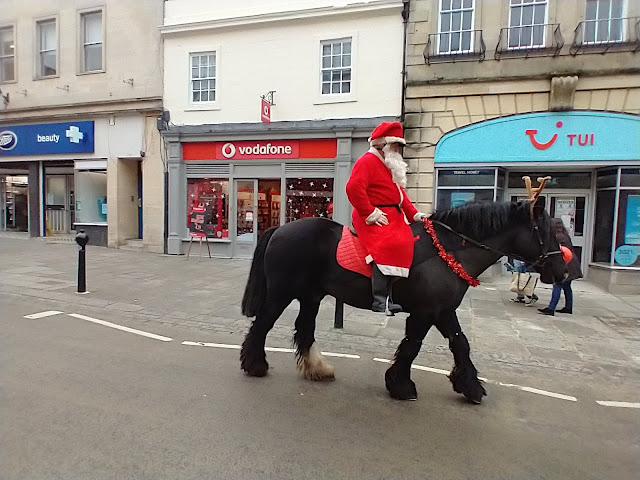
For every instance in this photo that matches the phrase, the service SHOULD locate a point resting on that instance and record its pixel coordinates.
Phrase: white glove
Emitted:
(419, 216)
(377, 217)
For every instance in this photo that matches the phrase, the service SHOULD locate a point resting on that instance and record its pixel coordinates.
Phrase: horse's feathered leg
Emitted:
(398, 376)
(464, 375)
(311, 363)
(253, 358)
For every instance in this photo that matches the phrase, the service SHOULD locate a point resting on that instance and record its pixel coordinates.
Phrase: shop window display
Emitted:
(212, 195)
(91, 196)
(268, 204)
(309, 197)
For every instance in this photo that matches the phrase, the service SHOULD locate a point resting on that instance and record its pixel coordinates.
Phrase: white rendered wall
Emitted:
(281, 52)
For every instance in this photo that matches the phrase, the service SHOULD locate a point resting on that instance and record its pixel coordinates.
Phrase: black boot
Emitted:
(381, 289)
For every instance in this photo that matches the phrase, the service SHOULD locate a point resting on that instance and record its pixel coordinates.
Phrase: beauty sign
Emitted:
(548, 136)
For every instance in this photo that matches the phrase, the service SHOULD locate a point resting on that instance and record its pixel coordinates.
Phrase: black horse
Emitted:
(298, 261)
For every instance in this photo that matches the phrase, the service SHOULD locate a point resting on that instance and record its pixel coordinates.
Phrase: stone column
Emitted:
(177, 198)
(341, 208)
(34, 199)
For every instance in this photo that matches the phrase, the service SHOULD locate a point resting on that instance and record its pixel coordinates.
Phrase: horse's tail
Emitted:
(256, 290)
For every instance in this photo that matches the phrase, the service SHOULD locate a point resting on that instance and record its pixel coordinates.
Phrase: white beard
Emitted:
(396, 164)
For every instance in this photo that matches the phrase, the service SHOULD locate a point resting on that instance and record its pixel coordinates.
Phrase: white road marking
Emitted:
(426, 369)
(268, 349)
(540, 392)
(120, 327)
(48, 313)
(490, 288)
(216, 345)
(607, 403)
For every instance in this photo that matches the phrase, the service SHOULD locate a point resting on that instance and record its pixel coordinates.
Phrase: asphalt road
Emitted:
(82, 400)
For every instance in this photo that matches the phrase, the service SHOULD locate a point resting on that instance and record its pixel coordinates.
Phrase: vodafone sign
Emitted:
(260, 149)
(249, 150)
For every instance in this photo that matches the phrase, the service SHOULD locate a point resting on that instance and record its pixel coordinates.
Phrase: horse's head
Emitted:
(535, 242)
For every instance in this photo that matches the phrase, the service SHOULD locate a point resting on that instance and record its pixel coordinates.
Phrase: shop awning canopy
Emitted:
(576, 136)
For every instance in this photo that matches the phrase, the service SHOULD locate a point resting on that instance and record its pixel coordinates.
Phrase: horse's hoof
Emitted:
(252, 366)
(466, 382)
(403, 389)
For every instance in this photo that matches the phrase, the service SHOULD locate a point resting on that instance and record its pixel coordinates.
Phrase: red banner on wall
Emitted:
(265, 114)
(260, 149)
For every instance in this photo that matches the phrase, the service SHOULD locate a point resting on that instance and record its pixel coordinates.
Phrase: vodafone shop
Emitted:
(243, 187)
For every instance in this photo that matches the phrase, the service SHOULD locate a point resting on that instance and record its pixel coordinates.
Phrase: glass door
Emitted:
(572, 209)
(246, 228)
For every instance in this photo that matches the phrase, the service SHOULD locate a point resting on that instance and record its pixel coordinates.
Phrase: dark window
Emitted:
(630, 177)
(603, 227)
(449, 198)
(607, 178)
(558, 179)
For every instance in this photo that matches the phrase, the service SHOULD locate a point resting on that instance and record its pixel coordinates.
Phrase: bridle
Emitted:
(542, 258)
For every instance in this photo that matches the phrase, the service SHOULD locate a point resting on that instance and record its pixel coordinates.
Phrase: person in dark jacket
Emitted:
(574, 273)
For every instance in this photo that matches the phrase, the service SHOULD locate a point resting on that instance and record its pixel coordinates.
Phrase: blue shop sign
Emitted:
(544, 137)
(47, 138)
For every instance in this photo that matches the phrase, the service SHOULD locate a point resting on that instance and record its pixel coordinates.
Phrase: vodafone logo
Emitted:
(228, 150)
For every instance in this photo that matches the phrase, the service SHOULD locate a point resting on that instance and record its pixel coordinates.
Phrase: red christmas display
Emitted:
(454, 265)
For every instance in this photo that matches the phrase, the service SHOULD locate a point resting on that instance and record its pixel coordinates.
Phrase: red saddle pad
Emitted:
(351, 254)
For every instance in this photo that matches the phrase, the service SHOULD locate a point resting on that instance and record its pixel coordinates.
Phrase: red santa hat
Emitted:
(389, 132)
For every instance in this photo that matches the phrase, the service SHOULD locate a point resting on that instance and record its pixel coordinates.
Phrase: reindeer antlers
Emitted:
(532, 192)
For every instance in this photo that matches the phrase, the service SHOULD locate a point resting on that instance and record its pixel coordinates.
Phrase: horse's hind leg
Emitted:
(464, 375)
(253, 358)
(311, 363)
(398, 376)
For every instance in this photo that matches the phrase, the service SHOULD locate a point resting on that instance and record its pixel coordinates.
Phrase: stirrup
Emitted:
(392, 308)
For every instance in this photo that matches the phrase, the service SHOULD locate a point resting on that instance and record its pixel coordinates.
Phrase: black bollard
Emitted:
(82, 239)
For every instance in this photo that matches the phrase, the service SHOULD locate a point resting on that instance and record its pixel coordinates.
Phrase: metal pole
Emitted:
(339, 315)
(82, 239)
(82, 270)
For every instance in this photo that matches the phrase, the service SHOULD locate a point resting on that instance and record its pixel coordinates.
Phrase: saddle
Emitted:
(351, 254)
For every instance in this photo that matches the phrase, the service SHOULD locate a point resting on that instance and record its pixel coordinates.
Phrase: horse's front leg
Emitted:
(398, 376)
(464, 375)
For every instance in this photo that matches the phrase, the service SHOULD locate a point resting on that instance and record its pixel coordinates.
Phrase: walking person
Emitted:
(573, 266)
(519, 266)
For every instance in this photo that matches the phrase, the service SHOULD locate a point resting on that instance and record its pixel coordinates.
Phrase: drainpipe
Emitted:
(405, 23)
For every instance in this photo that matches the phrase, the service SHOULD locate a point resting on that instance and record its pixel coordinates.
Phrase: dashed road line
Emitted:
(607, 403)
(561, 396)
(425, 369)
(48, 313)
(120, 327)
(267, 349)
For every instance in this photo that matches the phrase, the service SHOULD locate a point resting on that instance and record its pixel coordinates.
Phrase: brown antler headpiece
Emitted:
(534, 192)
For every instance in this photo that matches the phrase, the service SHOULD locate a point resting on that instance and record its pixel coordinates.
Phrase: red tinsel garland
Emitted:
(454, 265)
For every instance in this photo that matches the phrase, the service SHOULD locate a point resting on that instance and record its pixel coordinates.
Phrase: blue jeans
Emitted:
(555, 296)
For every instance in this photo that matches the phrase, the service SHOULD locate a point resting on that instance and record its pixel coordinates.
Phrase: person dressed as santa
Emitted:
(381, 209)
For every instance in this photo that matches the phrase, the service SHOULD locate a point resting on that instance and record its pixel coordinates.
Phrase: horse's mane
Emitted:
(484, 219)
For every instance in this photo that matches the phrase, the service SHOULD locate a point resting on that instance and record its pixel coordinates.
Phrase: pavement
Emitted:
(598, 344)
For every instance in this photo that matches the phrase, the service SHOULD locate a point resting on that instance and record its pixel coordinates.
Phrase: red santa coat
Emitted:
(371, 185)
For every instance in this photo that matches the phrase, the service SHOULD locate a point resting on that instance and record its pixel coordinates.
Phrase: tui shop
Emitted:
(594, 160)
(246, 182)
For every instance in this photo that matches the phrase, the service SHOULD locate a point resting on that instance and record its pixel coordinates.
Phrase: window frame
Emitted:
(544, 25)
(341, 94)
(11, 26)
(37, 44)
(451, 10)
(216, 90)
(81, 44)
(609, 19)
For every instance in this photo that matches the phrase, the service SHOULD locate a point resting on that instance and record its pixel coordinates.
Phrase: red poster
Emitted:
(265, 114)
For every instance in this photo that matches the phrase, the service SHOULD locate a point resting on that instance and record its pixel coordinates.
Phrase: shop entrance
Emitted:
(257, 208)
(14, 190)
(573, 210)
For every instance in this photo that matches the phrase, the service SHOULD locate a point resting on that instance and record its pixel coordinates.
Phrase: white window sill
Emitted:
(8, 81)
(200, 108)
(338, 98)
(92, 72)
